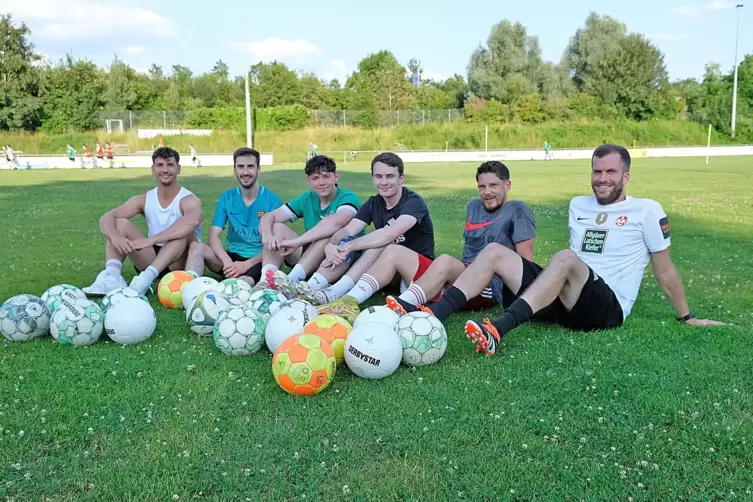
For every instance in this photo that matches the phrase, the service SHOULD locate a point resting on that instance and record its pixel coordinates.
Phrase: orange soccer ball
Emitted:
(170, 288)
(333, 330)
(304, 365)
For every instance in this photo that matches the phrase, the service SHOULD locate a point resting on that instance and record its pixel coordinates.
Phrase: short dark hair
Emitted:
(240, 152)
(391, 159)
(493, 166)
(165, 153)
(610, 148)
(320, 164)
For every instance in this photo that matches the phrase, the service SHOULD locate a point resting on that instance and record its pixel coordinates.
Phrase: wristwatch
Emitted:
(687, 317)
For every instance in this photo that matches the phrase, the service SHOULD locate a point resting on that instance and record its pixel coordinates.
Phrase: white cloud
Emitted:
(698, 9)
(336, 69)
(86, 19)
(278, 49)
(135, 49)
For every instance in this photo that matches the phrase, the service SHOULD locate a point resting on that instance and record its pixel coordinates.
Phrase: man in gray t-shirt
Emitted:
(490, 219)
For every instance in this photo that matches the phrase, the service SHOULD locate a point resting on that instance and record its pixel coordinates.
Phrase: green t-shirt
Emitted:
(308, 206)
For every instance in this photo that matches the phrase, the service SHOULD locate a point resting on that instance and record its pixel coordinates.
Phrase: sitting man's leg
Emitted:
(152, 262)
(440, 275)
(309, 258)
(272, 259)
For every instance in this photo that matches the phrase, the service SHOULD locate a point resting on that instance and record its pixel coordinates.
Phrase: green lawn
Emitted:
(654, 411)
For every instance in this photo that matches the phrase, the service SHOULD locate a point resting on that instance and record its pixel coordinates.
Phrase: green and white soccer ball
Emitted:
(53, 296)
(302, 305)
(239, 331)
(205, 310)
(130, 321)
(267, 302)
(23, 318)
(194, 288)
(114, 297)
(237, 291)
(423, 337)
(77, 323)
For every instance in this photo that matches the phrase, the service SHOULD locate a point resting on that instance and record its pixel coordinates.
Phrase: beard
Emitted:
(247, 183)
(617, 190)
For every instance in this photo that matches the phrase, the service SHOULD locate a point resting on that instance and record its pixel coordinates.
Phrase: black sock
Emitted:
(409, 307)
(515, 315)
(452, 300)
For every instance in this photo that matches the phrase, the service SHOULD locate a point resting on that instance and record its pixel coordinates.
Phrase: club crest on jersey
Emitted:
(260, 214)
(621, 220)
(594, 240)
(601, 218)
(664, 224)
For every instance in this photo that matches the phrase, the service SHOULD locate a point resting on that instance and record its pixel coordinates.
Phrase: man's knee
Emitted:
(444, 261)
(197, 248)
(122, 225)
(564, 260)
(495, 251)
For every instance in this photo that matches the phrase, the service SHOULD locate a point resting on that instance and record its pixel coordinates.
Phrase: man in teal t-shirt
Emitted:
(325, 209)
(242, 208)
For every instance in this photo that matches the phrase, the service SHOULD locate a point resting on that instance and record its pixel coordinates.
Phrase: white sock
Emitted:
(364, 288)
(268, 266)
(114, 268)
(414, 295)
(297, 274)
(318, 281)
(151, 273)
(340, 288)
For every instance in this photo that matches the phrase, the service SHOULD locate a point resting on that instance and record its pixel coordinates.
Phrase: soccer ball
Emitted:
(237, 291)
(380, 314)
(23, 318)
(114, 297)
(55, 294)
(130, 321)
(284, 324)
(239, 331)
(193, 289)
(423, 337)
(205, 311)
(347, 311)
(333, 330)
(267, 302)
(170, 288)
(304, 365)
(77, 323)
(373, 351)
(302, 305)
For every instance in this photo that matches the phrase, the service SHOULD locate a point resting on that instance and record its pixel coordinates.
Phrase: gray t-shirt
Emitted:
(513, 222)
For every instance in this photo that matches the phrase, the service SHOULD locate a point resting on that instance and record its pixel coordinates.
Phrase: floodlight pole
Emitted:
(249, 132)
(734, 88)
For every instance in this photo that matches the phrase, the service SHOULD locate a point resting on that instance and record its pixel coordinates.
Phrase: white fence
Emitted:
(143, 161)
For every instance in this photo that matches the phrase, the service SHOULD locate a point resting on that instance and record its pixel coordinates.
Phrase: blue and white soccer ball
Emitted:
(194, 288)
(130, 321)
(23, 318)
(423, 338)
(205, 310)
(53, 296)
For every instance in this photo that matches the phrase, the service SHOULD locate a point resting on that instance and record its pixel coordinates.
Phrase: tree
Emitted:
(380, 83)
(314, 93)
(123, 91)
(72, 94)
(20, 107)
(274, 84)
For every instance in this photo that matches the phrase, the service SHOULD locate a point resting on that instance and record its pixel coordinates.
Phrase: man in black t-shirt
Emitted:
(402, 225)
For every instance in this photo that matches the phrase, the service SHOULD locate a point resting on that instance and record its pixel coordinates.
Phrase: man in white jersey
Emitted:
(173, 219)
(592, 285)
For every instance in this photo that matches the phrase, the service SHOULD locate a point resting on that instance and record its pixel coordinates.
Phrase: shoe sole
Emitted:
(395, 306)
(476, 335)
(269, 277)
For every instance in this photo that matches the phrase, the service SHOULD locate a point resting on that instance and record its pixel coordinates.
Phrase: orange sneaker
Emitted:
(485, 336)
(394, 305)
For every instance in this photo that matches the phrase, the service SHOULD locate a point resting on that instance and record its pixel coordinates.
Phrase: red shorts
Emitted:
(423, 265)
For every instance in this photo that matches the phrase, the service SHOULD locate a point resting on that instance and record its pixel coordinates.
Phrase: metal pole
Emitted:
(708, 146)
(734, 89)
(164, 119)
(130, 120)
(344, 124)
(486, 140)
(249, 132)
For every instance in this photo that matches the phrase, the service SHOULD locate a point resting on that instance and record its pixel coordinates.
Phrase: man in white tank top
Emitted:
(173, 218)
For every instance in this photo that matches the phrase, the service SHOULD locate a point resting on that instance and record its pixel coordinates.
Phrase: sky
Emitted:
(330, 37)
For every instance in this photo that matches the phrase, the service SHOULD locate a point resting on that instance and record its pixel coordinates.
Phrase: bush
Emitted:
(283, 118)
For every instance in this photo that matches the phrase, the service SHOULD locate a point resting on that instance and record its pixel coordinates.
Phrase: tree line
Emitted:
(605, 73)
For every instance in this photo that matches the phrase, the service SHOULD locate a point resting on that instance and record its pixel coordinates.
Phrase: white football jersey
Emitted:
(159, 219)
(616, 240)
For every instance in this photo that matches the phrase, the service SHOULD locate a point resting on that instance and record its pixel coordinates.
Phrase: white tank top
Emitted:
(158, 218)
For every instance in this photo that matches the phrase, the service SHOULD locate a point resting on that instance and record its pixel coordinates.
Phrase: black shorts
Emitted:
(254, 272)
(596, 308)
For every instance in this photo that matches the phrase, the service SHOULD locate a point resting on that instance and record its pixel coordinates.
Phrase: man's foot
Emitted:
(346, 307)
(104, 283)
(485, 336)
(401, 307)
(141, 283)
(279, 281)
(304, 291)
(262, 284)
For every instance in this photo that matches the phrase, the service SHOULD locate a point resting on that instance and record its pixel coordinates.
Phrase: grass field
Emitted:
(653, 411)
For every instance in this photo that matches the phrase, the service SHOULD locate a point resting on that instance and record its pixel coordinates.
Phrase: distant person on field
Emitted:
(10, 156)
(87, 156)
(353, 154)
(241, 208)
(71, 152)
(161, 142)
(194, 158)
(547, 153)
(312, 149)
(108, 152)
(173, 219)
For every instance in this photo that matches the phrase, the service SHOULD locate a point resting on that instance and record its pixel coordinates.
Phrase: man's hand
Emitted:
(140, 244)
(236, 269)
(272, 243)
(123, 245)
(703, 322)
(288, 247)
(335, 255)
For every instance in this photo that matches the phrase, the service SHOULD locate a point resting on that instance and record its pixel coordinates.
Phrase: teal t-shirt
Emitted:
(243, 236)
(308, 206)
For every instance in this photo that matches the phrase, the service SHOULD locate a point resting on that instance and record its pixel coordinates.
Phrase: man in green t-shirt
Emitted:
(325, 209)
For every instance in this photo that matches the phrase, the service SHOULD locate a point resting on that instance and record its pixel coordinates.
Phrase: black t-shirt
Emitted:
(420, 237)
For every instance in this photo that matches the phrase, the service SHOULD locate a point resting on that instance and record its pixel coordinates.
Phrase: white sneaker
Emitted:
(104, 283)
(141, 283)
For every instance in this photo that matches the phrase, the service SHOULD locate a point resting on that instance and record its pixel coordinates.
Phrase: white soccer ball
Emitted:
(267, 302)
(204, 312)
(194, 288)
(23, 318)
(302, 305)
(53, 296)
(373, 350)
(114, 297)
(77, 323)
(130, 321)
(239, 331)
(378, 313)
(284, 324)
(237, 291)
(423, 338)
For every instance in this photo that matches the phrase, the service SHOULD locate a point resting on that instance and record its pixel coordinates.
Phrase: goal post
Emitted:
(111, 123)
